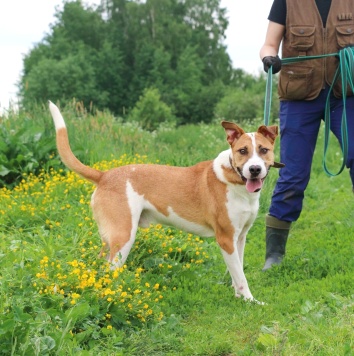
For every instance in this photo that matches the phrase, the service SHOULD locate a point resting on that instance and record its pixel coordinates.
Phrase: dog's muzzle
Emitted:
(253, 184)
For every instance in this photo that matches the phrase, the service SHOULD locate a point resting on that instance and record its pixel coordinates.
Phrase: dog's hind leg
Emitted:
(118, 238)
(119, 252)
(117, 225)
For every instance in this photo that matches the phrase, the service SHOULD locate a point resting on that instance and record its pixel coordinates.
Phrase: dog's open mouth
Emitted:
(254, 185)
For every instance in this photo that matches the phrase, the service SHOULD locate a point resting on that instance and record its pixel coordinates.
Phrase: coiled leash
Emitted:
(344, 72)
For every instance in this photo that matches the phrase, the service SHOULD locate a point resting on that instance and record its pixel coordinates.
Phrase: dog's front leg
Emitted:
(230, 252)
(238, 277)
(240, 246)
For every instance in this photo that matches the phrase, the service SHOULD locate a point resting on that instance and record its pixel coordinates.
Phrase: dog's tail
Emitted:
(65, 151)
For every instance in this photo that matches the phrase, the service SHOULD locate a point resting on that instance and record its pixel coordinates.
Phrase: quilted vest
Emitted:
(305, 36)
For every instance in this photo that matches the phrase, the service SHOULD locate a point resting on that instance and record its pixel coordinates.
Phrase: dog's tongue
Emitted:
(254, 185)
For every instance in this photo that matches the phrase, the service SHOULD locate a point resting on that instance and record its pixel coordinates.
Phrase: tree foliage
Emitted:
(244, 98)
(108, 56)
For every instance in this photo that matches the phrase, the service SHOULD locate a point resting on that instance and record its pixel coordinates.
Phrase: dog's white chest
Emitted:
(242, 207)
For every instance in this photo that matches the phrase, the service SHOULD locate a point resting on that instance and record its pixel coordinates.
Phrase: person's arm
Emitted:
(273, 39)
(270, 48)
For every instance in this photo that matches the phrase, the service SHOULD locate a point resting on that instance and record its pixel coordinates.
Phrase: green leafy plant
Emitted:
(25, 150)
(150, 111)
(239, 106)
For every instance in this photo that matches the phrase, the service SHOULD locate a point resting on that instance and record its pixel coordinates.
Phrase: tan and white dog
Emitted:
(213, 198)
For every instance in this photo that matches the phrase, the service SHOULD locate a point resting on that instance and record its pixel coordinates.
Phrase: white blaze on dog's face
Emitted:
(252, 153)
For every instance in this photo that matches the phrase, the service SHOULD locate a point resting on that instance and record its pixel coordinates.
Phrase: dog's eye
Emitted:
(264, 150)
(243, 151)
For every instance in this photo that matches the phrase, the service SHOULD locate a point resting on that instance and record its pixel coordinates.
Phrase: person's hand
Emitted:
(270, 61)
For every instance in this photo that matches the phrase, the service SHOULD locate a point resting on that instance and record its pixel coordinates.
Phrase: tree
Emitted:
(64, 65)
(71, 77)
(110, 54)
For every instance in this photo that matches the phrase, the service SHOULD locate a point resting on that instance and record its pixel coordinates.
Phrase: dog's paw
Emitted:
(253, 300)
(248, 298)
(258, 302)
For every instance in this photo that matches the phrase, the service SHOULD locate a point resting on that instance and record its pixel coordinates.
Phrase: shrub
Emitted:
(239, 105)
(150, 111)
(24, 150)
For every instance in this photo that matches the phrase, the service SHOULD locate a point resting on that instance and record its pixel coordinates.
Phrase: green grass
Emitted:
(174, 296)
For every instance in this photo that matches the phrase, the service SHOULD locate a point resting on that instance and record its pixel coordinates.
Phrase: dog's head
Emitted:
(252, 153)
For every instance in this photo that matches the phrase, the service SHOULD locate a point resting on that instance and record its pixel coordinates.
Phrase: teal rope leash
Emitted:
(268, 97)
(345, 72)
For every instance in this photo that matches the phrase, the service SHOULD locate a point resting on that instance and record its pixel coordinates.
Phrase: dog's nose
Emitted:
(255, 170)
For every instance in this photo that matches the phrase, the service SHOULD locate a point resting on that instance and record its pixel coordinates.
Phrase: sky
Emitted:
(24, 23)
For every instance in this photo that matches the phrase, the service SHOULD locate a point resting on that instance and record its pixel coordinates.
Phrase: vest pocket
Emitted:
(345, 35)
(295, 83)
(302, 37)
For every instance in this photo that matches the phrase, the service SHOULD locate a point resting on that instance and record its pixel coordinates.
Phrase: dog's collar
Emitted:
(232, 166)
(237, 170)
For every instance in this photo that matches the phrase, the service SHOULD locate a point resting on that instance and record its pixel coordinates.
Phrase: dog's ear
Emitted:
(269, 132)
(233, 132)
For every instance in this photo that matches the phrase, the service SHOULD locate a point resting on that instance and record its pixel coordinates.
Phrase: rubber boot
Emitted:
(277, 232)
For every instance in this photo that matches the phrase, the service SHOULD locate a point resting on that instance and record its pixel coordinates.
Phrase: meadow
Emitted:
(174, 295)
